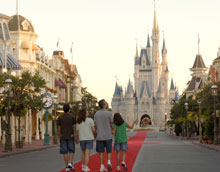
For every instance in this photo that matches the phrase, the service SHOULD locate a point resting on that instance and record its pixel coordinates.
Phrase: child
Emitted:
(119, 129)
(85, 132)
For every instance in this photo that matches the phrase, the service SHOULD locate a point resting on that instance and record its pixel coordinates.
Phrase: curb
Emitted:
(26, 151)
(207, 147)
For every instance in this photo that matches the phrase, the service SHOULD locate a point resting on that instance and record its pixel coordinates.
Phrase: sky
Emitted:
(104, 34)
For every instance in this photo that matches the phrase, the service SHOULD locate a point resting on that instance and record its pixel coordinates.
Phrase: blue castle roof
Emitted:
(172, 85)
(145, 84)
(144, 55)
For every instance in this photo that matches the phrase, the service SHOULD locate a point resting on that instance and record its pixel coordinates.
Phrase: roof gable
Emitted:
(145, 87)
(199, 63)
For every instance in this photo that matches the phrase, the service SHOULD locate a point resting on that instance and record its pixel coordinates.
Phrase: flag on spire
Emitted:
(198, 43)
(71, 49)
(58, 44)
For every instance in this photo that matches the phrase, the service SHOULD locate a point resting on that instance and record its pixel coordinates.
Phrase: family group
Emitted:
(85, 130)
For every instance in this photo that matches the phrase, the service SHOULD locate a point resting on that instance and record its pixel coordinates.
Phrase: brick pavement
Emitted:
(36, 145)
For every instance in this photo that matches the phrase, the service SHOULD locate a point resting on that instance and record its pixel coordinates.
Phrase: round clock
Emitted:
(47, 100)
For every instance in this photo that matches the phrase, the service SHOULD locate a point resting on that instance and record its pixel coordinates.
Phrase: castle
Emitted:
(150, 96)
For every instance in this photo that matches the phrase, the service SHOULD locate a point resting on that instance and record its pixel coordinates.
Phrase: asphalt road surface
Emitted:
(174, 155)
(163, 153)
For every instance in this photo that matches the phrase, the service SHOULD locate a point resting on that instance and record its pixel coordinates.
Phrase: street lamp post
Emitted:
(214, 89)
(92, 112)
(84, 99)
(8, 143)
(187, 123)
(55, 97)
(200, 121)
(165, 121)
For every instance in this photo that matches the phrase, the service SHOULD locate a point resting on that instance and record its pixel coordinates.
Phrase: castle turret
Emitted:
(172, 90)
(164, 57)
(130, 90)
(149, 49)
(136, 69)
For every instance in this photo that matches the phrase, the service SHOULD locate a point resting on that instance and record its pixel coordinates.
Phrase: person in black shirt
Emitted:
(66, 128)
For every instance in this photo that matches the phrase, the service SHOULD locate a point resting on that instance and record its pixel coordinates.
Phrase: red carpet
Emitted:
(134, 145)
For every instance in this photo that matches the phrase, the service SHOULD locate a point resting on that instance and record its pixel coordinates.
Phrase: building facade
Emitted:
(19, 52)
(214, 69)
(150, 96)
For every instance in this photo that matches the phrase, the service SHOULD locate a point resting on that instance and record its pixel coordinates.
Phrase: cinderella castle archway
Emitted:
(145, 120)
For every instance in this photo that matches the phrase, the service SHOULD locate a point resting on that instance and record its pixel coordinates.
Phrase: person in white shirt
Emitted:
(85, 131)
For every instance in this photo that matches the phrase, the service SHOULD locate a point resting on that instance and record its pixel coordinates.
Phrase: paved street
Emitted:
(171, 155)
(174, 155)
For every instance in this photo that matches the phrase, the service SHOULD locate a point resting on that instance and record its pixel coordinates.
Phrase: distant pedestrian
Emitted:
(66, 129)
(103, 123)
(85, 131)
(121, 141)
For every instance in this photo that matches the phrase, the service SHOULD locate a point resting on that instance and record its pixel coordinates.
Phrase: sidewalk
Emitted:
(195, 140)
(36, 145)
(208, 146)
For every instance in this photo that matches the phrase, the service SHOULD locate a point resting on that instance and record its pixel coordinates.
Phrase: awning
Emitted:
(60, 83)
(12, 63)
(64, 85)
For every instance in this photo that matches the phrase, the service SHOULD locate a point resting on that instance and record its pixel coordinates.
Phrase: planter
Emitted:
(210, 141)
(204, 141)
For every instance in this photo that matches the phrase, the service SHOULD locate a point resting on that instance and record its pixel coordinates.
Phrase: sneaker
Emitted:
(109, 167)
(118, 168)
(124, 166)
(103, 169)
(86, 169)
(67, 169)
(70, 166)
(83, 167)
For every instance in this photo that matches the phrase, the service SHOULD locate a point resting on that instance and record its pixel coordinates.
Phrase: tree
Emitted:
(26, 93)
(184, 120)
(207, 112)
(88, 102)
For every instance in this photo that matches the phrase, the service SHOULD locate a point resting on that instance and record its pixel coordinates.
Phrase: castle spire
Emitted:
(136, 49)
(155, 17)
(172, 85)
(148, 41)
(16, 7)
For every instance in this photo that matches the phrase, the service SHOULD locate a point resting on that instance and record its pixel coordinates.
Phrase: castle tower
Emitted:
(155, 54)
(164, 70)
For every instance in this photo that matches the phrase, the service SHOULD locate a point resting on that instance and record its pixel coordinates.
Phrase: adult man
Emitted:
(103, 123)
(66, 129)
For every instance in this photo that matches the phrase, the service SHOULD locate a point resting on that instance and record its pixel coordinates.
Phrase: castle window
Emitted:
(148, 105)
(25, 25)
